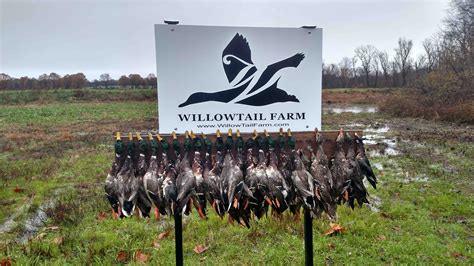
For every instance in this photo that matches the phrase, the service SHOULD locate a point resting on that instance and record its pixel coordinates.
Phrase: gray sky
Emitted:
(117, 37)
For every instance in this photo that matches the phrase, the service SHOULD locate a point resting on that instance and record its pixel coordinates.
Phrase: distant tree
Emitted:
(403, 59)
(345, 71)
(366, 54)
(420, 65)
(151, 80)
(75, 81)
(54, 80)
(430, 53)
(375, 66)
(4, 81)
(95, 83)
(124, 81)
(136, 80)
(105, 79)
(384, 65)
(43, 80)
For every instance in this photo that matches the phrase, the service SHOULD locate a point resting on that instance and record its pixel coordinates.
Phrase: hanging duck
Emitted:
(303, 182)
(127, 182)
(186, 181)
(287, 166)
(170, 192)
(235, 192)
(154, 177)
(340, 171)
(143, 203)
(214, 184)
(356, 190)
(278, 187)
(200, 186)
(364, 163)
(111, 183)
(320, 171)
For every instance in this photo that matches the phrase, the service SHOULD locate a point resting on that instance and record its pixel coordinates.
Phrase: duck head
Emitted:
(128, 207)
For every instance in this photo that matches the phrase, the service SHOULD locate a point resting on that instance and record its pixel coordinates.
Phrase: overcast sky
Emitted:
(117, 37)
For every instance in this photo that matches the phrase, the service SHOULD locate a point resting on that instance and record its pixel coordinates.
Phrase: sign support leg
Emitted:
(308, 238)
(178, 231)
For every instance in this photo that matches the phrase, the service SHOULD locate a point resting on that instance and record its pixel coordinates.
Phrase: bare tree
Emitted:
(402, 58)
(420, 64)
(365, 54)
(375, 66)
(384, 65)
(345, 71)
(105, 79)
(431, 53)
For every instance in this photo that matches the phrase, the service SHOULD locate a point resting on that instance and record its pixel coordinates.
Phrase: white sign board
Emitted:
(213, 77)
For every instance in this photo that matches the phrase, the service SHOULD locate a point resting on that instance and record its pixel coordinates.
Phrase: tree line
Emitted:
(447, 53)
(370, 67)
(75, 81)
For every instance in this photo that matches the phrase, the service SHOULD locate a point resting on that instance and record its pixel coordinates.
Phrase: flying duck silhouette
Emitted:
(248, 85)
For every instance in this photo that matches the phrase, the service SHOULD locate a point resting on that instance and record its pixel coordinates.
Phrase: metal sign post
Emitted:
(178, 231)
(308, 238)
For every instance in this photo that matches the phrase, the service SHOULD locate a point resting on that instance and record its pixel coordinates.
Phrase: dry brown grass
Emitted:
(355, 96)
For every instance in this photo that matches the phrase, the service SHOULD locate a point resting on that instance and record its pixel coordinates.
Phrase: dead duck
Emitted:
(143, 203)
(170, 192)
(154, 177)
(234, 191)
(364, 163)
(340, 171)
(127, 182)
(257, 182)
(356, 189)
(278, 187)
(214, 183)
(320, 171)
(200, 187)
(111, 184)
(303, 182)
(185, 183)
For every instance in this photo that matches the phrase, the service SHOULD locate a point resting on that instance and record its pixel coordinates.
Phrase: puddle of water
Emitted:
(36, 222)
(10, 223)
(419, 178)
(337, 109)
(374, 203)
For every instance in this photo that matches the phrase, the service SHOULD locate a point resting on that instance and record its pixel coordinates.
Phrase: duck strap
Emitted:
(154, 147)
(208, 144)
(118, 147)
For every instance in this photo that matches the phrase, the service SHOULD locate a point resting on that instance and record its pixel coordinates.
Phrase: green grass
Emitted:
(420, 222)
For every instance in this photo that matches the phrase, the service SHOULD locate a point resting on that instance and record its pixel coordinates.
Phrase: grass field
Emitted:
(55, 154)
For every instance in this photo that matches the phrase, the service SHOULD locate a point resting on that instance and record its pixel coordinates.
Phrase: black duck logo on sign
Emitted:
(248, 85)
